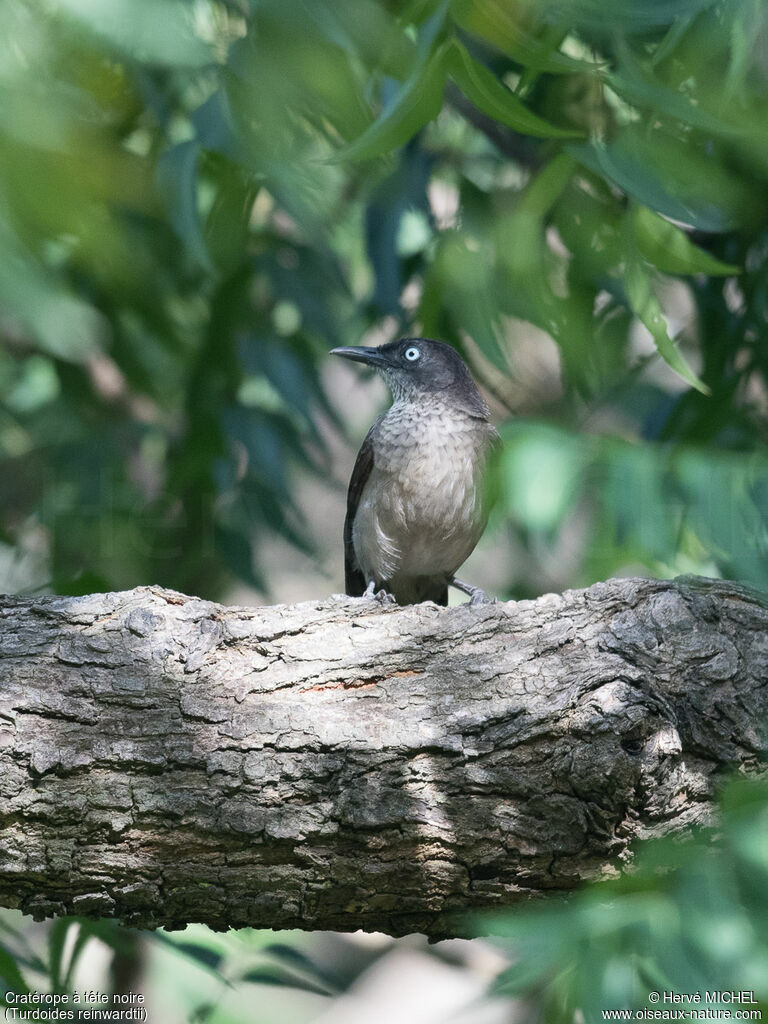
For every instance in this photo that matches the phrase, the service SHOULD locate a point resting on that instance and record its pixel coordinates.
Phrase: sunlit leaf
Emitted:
(542, 472)
(591, 227)
(669, 249)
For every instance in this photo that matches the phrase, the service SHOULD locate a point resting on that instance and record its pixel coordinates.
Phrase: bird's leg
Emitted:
(382, 596)
(476, 595)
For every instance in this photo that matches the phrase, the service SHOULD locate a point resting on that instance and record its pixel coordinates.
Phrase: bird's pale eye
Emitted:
(412, 354)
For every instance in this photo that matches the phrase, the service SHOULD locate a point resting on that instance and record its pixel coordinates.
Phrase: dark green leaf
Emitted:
(673, 178)
(57, 936)
(205, 956)
(635, 15)
(177, 180)
(10, 975)
(285, 979)
(494, 21)
(215, 125)
(417, 101)
(487, 93)
(295, 958)
(236, 551)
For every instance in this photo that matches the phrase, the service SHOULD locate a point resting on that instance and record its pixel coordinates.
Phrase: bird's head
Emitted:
(419, 368)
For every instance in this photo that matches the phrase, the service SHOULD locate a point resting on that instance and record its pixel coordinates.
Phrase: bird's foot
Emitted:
(477, 596)
(383, 597)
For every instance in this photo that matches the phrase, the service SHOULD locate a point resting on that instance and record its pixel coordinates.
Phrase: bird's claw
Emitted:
(476, 596)
(382, 597)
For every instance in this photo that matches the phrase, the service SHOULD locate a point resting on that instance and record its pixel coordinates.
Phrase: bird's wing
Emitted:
(355, 582)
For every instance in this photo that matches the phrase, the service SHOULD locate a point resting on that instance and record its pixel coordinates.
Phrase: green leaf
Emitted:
(494, 22)
(155, 31)
(298, 960)
(279, 976)
(671, 40)
(418, 101)
(638, 15)
(63, 324)
(364, 30)
(543, 191)
(10, 975)
(57, 936)
(461, 281)
(526, 258)
(482, 88)
(645, 305)
(669, 249)
(590, 226)
(177, 180)
(204, 956)
(672, 177)
(236, 551)
(542, 475)
(636, 83)
(746, 28)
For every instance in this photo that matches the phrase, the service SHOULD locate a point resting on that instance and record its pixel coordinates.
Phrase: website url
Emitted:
(705, 1013)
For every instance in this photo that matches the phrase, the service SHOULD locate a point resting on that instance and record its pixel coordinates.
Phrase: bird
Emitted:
(415, 502)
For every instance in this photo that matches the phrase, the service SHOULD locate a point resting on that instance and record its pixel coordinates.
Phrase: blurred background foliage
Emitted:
(199, 198)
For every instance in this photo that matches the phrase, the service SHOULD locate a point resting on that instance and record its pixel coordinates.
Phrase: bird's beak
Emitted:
(361, 354)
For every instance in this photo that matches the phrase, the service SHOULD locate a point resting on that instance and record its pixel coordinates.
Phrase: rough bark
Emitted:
(341, 765)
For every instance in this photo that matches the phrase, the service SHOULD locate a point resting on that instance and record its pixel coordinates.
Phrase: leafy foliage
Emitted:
(198, 200)
(689, 919)
(240, 959)
(633, 505)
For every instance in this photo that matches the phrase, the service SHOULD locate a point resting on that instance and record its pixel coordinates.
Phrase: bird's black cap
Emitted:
(416, 366)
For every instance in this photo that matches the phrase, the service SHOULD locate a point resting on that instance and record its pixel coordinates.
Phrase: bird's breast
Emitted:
(421, 511)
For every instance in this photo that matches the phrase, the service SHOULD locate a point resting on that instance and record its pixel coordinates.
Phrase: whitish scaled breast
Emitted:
(421, 510)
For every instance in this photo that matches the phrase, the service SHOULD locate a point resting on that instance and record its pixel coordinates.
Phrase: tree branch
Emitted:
(340, 765)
